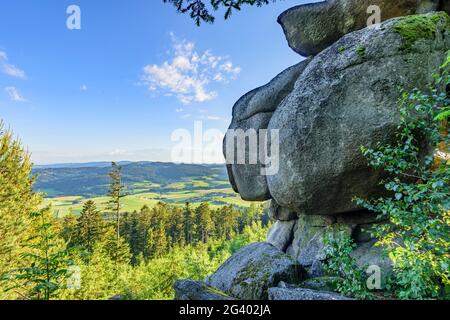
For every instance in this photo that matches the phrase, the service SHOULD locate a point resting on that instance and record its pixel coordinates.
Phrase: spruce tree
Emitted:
(89, 227)
(68, 228)
(116, 195)
(143, 227)
(117, 249)
(200, 10)
(17, 200)
(47, 260)
(204, 221)
(177, 226)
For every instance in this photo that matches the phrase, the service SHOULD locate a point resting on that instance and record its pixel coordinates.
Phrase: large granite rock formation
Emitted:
(311, 28)
(344, 98)
(325, 108)
(254, 111)
(347, 98)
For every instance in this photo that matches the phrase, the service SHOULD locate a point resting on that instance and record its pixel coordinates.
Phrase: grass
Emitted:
(142, 193)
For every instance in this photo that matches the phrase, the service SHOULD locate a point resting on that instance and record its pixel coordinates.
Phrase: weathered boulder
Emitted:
(309, 236)
(367, 254)
(347, 98)
(289, 292)
(311, 28)
(279, 213)
(322, 283)
(197, 290)
(253, 111)
(252, 270)
(281, 234)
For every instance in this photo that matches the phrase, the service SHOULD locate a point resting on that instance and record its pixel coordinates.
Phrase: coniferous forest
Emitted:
(113, 254)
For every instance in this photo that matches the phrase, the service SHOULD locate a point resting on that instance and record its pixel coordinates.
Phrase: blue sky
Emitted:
(134, 73)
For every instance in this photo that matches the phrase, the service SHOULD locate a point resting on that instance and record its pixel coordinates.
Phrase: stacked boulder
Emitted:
(342, 97)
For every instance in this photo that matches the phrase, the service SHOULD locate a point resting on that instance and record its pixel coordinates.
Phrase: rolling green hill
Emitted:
(68, 186)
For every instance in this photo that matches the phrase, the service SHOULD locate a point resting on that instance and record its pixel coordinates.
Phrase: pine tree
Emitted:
(190, 227)
(204, 221)
(47, 258)
(200, 10)
(17, 200)
(159, 242)
(226, 222)
(68, 228)
(118, 250)
(89, 227)
(177, 226)
(143, 227)
(116, 195)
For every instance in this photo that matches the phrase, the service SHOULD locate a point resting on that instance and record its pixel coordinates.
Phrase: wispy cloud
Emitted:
(189, 74)
(14, 94)
(84, 87)
(10, 69)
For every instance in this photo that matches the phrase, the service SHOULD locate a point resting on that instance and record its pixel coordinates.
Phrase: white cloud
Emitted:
(119, 152)
(179, 110)
(10, 69)
(83, 87)
(188, 74)
(14, 94)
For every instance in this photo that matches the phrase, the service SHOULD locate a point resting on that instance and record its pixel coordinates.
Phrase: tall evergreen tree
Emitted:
(204, 221)
(47, 260)
(89, 227)
(68, 228)
(190, 230)
(177, 226)
(226, 222)
(143, 228)
(118, 250)
(17, 200)
(116, 194)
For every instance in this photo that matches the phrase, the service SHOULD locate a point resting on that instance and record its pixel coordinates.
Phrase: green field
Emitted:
(146, 183)
(137, 198)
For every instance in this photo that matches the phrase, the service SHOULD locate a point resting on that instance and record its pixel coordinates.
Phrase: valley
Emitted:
(67, 187)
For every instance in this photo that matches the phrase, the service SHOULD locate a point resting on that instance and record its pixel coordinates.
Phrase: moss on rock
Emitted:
(417, 27)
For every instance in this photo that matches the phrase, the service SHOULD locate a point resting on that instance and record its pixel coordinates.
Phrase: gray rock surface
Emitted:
(323, 283)
(252, 270)
(197, 290)
(281, 234)
(286, 292)
(347, 98)
(279, 213)
(366, 255)
(316, 270)
(253, 111)
(308, 243)
(313, 27)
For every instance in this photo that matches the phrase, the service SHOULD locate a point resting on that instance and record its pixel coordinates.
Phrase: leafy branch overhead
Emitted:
(201, 10)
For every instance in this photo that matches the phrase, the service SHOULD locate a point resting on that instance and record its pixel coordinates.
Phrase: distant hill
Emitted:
(79, 165)
(91, 179)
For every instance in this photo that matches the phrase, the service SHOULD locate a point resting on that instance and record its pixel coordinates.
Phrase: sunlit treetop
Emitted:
(201, 10)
